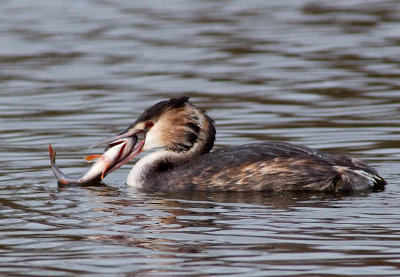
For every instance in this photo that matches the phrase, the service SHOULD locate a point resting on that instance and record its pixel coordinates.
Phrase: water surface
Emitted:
(320, 74)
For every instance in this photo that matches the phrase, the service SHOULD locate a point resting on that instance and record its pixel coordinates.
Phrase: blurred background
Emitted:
(319, 73)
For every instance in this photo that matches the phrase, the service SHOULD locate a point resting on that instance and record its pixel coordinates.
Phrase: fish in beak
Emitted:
(119, 151)
(125, 135)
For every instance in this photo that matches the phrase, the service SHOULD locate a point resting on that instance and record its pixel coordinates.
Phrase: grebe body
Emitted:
(184, 136)
(268, 166)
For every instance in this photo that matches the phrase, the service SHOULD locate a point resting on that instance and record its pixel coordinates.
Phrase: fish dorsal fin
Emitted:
(92, 158)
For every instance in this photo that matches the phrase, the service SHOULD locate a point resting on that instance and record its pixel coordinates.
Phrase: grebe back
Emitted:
(184, 136)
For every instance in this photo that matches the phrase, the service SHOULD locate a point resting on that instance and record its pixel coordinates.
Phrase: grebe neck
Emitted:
(155, 163)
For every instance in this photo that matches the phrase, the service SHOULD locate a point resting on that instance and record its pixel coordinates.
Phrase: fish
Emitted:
(115, 155)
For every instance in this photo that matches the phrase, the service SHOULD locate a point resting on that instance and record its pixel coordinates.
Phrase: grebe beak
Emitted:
(125, 134)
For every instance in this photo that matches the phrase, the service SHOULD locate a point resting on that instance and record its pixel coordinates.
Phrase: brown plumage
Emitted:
(185, 135)
(268, 166)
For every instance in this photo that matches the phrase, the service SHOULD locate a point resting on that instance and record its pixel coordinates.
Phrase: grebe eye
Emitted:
(149, 124)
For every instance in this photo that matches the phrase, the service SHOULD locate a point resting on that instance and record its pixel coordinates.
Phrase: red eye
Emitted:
(149, 124)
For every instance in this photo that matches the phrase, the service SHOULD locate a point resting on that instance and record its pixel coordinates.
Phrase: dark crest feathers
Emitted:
(157, 109)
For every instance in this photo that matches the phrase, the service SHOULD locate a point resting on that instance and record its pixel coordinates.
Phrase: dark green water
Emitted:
(323, 74)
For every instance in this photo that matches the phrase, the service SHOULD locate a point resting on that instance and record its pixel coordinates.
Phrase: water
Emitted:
(320, 74)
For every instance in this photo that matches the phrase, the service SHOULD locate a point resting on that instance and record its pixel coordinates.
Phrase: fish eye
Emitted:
(149, 124)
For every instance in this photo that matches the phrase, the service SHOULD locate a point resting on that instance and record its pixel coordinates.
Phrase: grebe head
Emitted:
(175, 125)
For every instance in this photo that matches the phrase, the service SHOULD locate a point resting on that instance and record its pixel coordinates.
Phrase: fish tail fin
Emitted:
(61, 177)
(52, 155)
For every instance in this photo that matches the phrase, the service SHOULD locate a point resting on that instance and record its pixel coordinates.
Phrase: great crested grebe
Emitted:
(184, 136)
